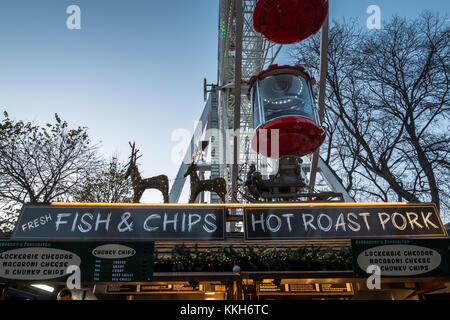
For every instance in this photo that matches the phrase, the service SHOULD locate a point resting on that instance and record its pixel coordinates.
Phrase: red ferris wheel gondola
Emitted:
(281, 98)
(289, 21)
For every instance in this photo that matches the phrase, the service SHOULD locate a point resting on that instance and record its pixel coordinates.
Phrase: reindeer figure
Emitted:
(217, 185)
(160, 182)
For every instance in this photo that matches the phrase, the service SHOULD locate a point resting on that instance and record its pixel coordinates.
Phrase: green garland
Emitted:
(310, 258)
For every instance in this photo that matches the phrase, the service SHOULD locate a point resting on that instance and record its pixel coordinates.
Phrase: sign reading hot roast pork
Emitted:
(342, 222)
(90, 222)
(402, 257)
(95, 261)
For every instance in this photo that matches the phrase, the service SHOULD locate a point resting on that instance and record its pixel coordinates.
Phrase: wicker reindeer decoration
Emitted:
(160, 182)
(217, 185)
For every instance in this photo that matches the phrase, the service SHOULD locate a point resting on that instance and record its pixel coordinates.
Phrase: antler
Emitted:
(134, 152)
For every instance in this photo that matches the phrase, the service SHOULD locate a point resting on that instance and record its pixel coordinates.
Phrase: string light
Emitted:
(217, 185)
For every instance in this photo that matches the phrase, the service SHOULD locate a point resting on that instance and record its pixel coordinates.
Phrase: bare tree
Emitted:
(8, 218)
(41, 164)
(387, 107)
(107, 185)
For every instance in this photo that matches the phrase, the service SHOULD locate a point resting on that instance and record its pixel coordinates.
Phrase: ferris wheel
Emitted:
(272, 153)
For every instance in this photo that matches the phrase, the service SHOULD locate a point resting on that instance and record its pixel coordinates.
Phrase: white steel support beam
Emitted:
(237, 94)
(322, 92)
(178, 184)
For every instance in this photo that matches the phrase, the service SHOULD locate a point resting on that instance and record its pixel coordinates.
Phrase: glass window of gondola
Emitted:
(255, 98)
(285, 95)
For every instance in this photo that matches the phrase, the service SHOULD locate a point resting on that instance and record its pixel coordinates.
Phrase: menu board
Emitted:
(322, 288)
(314, 288)
(94, 261)
(335, 287)
(402, 257)
(147, 288)
(121, 288)
(304, 287)
(168, 287)
(269, 287)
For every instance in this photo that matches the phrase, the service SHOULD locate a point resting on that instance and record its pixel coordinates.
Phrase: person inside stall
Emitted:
(64, 294)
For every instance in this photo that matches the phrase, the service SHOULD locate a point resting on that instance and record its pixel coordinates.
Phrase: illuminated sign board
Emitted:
(207, 222)
(342, 222)
(119, 222)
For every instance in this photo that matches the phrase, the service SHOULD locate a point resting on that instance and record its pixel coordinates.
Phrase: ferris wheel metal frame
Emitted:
(242, 53)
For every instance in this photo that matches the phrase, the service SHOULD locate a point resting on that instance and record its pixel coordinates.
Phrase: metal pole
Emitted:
(178, 184)
(322, 89)
(237, 94)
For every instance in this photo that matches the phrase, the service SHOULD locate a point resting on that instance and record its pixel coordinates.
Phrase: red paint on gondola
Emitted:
(297, 136)
(289, 21)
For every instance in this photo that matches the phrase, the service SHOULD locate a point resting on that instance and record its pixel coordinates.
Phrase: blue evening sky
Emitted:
(133, 72)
